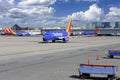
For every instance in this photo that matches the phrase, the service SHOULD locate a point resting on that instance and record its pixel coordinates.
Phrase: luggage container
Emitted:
(86, 69)
(112, 53)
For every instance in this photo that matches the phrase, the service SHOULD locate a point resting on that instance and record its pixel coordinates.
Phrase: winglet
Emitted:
(68, 29)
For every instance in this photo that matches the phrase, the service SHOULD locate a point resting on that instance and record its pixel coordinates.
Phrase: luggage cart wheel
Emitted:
(111, 77)
(84, 75)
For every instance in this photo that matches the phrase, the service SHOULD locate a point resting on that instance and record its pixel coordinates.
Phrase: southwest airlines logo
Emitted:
(57, 34)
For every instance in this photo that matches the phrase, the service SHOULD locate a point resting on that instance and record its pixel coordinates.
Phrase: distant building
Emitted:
(97, 25)
(106, 25)
(17, 27)
(117, 24)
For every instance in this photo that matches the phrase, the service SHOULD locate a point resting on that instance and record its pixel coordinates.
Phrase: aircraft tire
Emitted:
(111, 56)
(64, 40)
(44, 40)
(20, 35)
(53, 40)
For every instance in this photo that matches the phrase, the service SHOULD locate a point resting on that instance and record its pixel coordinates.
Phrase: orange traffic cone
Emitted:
(97, 57)
(88, 60)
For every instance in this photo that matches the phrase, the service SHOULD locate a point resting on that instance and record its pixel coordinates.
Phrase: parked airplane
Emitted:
(58, 35)
(9, 31)
(91, 32)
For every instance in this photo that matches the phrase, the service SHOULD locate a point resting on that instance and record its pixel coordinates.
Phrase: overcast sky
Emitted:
(57, 12)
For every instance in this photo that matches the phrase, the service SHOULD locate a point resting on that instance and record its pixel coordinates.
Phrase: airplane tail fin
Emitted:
(68, 29)
(12, 32)
(5, 30)
(9, 31)
(97, 31)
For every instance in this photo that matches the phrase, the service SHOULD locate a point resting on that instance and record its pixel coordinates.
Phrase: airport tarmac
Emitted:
(17, 45)
(29, 58)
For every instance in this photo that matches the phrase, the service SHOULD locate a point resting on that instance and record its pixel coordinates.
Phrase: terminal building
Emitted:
(117, 24)
(102, 25)
(106, 25)
(105, 28)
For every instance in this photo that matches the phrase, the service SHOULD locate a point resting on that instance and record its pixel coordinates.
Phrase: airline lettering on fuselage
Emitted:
(57, 34)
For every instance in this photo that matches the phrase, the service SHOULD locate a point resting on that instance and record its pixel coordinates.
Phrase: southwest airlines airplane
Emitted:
(9, 31)
(58, 35)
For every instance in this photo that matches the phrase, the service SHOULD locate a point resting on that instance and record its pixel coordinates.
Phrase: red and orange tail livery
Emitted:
(9, 31)
(68, 29)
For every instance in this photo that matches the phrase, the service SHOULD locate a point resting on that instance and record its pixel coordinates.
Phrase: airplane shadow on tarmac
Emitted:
(53, 42)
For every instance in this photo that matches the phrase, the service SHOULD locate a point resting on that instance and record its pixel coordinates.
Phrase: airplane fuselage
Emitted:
(56, 35)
